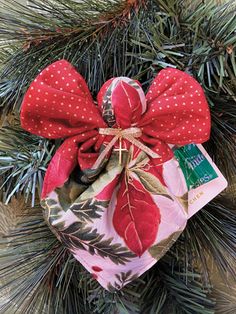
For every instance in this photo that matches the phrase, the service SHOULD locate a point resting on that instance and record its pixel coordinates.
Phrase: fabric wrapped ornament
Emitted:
(114, 193)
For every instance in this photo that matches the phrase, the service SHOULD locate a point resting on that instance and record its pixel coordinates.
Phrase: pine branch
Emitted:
(211, 231)
(226, 301)
(47, 19)
(169, 38)
(54, 30)
(170, 289)
(37, 273)
(23, 161)
(97, 60)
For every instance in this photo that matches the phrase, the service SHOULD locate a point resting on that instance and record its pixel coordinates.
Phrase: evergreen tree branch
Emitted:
(211, 231)
(226, 301)
(36, 270)
(48, 19)
(23, 162)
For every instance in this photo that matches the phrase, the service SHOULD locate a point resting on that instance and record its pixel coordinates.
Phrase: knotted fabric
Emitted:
(104, 192)
(130, 135)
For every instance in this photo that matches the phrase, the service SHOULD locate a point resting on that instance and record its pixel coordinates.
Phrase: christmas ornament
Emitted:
(119, 190)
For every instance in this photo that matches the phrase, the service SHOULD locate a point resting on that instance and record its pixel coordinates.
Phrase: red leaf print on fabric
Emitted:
(136, 217)
(96, 268)
(127, 105)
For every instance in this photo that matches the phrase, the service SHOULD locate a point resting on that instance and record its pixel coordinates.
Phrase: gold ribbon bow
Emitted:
(130, 134)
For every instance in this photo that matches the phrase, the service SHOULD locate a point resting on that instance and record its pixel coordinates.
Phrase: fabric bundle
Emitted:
(114, 193)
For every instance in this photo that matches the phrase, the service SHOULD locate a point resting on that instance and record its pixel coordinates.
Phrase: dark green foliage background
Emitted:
(103, 39)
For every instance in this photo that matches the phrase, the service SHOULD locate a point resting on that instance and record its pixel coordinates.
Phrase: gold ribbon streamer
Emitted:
(130, 134)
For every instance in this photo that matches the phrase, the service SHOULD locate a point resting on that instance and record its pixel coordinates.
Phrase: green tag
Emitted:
(196, 168)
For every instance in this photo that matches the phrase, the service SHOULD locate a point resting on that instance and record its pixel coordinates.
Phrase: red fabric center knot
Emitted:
(122, 102)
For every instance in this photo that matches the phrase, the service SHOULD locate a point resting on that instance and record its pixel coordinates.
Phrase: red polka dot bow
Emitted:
(58, 104)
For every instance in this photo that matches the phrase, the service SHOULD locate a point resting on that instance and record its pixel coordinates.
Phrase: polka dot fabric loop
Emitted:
(178, 112)
(58, 104)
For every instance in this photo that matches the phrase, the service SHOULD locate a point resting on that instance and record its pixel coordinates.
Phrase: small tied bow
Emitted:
(131, 135)
(58, 104)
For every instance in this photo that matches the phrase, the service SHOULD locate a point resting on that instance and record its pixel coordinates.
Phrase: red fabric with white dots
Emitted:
(58, 104)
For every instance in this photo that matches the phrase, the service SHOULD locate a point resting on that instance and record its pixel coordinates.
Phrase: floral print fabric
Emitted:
(121, 215)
